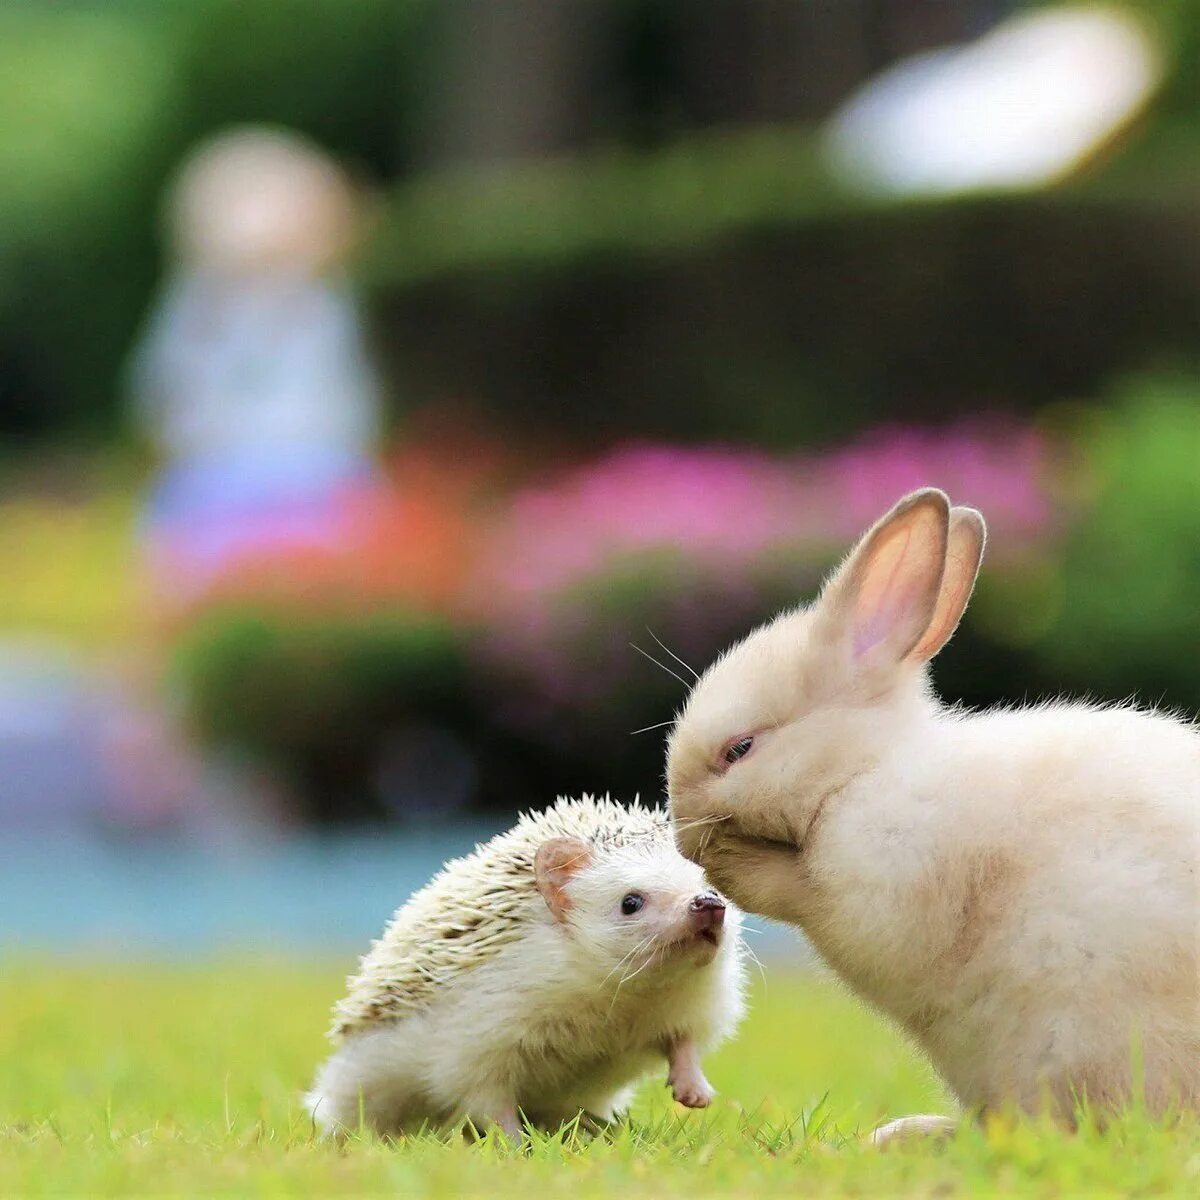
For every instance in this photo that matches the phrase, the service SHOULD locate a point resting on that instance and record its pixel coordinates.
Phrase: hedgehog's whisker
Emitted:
(620, 963)
(686, 665)
(754, 958)
(646, 941)
(661, 666)
(705, 838)
(626, 957)
(694, 822)
(633, 975)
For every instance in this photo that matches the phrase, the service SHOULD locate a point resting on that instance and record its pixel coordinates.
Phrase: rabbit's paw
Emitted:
(906, 1129)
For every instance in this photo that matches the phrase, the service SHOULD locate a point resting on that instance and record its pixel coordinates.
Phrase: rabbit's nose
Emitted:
(707, 910)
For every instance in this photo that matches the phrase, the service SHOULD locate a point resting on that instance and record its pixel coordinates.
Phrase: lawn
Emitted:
(184, 1079)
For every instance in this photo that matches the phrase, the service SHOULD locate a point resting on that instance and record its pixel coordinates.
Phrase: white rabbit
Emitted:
(1019, 889)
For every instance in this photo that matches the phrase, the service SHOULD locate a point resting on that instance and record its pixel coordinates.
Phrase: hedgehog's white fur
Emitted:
(477, 1003)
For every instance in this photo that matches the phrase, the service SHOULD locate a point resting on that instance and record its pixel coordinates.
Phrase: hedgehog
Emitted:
(537, 979)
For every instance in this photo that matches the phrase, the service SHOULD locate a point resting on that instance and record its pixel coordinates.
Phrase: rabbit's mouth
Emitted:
(766, 843)
(736, 832)
(791, 841)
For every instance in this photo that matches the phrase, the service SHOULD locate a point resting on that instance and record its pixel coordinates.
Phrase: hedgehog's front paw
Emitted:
(684, 1077)
(696, 1093)
(690, 1088)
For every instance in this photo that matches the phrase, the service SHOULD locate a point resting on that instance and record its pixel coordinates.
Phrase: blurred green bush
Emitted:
(75, 212)
(314, 697)
(1126, 613)
(101, 100)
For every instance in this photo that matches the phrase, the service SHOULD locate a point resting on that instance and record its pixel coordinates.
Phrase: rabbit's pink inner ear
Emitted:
(896, 578)
(965, 541)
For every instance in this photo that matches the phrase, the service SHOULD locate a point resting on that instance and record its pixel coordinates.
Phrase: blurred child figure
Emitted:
(252, 378)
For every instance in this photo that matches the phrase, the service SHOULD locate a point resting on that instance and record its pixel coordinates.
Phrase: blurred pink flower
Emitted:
(999, 470)
(725, 509)
(698, 544)
(719, 506)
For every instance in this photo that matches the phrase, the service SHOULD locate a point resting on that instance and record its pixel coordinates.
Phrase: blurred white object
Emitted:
(252, 377)
(257, 200)
(1022, 106)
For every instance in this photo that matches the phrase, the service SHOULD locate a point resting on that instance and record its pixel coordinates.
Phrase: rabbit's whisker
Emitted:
(660, 666)
(685, 665)
(648, 728)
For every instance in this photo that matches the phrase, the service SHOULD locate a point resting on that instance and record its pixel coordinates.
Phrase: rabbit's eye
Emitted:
(737, 749)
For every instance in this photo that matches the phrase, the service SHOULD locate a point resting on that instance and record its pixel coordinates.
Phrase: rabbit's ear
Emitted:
(964, 552)
(882, 599)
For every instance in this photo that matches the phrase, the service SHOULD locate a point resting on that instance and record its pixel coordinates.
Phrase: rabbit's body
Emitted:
(1019, 889)
(1027, 925)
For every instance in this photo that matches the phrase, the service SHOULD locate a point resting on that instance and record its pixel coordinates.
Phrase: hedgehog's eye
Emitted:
(736, 749)
(632, 903)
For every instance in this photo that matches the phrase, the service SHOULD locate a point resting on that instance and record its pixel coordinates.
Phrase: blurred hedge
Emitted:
(667, 297)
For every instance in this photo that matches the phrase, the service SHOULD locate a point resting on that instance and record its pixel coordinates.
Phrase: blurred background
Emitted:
(376, 375)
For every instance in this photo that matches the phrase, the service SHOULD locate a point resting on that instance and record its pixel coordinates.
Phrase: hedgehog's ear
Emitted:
(554, 866)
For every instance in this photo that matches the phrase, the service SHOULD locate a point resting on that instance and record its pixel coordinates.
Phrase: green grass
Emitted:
(184, 1081)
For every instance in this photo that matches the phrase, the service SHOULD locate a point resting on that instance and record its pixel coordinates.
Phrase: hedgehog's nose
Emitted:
(707, 910)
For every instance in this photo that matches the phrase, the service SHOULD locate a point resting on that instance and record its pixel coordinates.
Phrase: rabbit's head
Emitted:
(787, 717)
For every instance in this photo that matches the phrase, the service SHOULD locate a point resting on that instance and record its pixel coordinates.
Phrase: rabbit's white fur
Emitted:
(1019, 889)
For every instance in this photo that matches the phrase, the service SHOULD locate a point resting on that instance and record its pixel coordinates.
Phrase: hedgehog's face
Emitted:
(633, 907)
